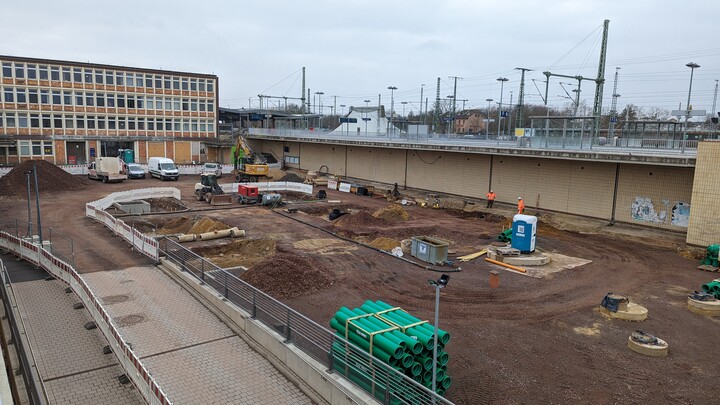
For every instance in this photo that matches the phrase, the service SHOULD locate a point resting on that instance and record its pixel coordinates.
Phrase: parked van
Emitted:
(163, 168)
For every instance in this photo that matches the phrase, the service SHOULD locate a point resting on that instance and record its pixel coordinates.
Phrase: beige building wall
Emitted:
(447, 172)
(651, 195)
(704, 224)
(382, 165)
(315, 155)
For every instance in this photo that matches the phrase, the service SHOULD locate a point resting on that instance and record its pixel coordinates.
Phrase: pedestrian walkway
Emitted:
(195, 357)
(70, 359)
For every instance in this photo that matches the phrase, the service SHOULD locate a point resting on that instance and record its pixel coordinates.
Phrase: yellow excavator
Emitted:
(248, 166)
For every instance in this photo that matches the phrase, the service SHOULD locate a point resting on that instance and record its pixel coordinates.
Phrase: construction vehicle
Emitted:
(107, 169)
(248, 194)
(209, 190)
(248, 166)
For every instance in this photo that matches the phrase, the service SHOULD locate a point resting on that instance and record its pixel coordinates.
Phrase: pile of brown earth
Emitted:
(51, 179)
(244, 252)
(288, 275)
(392, 213)
(165, 204)
(292, 177)
(359, 220)
(197, 225)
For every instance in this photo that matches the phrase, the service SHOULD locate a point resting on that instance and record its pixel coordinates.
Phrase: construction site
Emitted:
(534, 331)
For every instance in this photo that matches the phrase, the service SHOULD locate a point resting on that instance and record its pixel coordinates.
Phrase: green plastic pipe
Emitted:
(439, 375)
(442, 335)
(426, 363)
(427, 375)
(446, 382)
(443, 358)
(374, 325)
(424, 336)
(379, 341)
(403, 340)
(416, 368)
(360, 342)
(407, 361)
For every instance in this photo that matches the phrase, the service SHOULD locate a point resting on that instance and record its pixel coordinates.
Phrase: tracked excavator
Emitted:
(248, 166)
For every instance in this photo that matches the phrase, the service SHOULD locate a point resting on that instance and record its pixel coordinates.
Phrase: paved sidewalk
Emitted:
(69, 358)
(195, 357)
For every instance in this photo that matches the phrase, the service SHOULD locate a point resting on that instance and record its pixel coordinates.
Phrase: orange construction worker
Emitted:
(521, 205)
(491, 198)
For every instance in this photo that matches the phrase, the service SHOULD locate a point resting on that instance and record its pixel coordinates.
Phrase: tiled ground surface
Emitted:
(69, 357)
(192, 354)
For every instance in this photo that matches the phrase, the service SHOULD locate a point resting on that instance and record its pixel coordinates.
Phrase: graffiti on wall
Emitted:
(643, 209)
(680, 214)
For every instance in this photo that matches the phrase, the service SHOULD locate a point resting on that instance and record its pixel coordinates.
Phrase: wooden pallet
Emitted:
(506, 251)
(708, 267)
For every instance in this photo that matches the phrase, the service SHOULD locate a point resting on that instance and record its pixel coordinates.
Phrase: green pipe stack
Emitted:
(713, 288)
(505, 236)
(711, 255)
(398, 339)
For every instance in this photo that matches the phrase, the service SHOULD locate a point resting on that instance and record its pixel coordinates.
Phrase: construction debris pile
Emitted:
(392, 213)
(51, 179)
(396, 338)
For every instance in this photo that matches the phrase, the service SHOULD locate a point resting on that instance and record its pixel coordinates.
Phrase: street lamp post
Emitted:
(366, 117)
(319, 103)
(392, 105)
(403, 113)
(29, 231)
(692, 66)
(502, 81)
(449, 127)
(342, 115)
(487, 119)
(438, 285)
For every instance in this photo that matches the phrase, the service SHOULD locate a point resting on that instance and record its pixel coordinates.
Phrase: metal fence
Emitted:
(59, 245)
(33, 383)
(383, 382)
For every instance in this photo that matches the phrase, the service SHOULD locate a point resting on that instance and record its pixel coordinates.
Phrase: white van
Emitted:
(163, 168)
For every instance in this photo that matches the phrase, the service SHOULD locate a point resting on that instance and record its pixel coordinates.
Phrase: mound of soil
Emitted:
(359, 220)
(386, 244)
(291, 177)
(205, 224)
(165, 204)
(315, 210)
(51, 179)
(288, 275)
(244, 252)
(189, 225)
(392, 213)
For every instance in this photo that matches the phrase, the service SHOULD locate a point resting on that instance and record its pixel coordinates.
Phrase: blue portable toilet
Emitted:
(524, 228)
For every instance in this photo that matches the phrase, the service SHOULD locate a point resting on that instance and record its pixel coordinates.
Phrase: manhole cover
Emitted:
(130, 320)
(114, 299)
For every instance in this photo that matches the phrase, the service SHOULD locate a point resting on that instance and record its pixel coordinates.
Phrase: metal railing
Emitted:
(58, 244)
(384, 382)
(34, 386)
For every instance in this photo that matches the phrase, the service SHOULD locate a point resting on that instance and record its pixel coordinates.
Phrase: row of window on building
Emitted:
(28, 148)
(73, 121)
(21, 95)
(33, 71)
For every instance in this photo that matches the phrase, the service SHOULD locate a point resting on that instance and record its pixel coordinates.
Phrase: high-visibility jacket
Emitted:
(521, 206)
(491, 196)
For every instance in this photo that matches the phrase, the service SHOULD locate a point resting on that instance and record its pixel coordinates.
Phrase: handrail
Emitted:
(33, 383)
(129, 361)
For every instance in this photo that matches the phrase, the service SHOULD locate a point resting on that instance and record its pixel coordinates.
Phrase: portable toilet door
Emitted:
(524, 229)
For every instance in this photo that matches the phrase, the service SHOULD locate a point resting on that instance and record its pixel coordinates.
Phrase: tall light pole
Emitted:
(487, 119)
(342, 115)
(692, 66)
(422, 87)
(29, 231)
(502, 81)
(366, 117)
(319, 104)
(439, 284)
(392, 105)
(451, 119)
(403, 114)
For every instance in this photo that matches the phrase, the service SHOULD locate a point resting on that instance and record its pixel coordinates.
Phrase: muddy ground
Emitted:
(533, 340)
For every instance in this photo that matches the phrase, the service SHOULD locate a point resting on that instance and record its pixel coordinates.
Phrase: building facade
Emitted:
(71, 112)
(469, 122)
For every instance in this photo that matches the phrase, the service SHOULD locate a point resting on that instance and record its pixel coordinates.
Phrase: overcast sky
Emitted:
(356, 49)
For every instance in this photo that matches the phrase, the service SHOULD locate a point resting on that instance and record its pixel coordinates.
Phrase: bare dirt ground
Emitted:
(533, 340)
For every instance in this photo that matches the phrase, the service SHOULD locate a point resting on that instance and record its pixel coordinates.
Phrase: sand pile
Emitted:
(205, 224)
(245, 252)
(386, 244)
(51, 179)
(392, 213)
(189, 225)
(287, 275)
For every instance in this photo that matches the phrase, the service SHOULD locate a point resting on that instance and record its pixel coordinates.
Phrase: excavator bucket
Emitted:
(221, 199)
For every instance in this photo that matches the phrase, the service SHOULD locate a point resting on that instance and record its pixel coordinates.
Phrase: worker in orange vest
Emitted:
(521, 205)
(491, 198)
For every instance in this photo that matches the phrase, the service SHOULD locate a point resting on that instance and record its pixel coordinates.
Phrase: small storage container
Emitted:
(431, 250)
